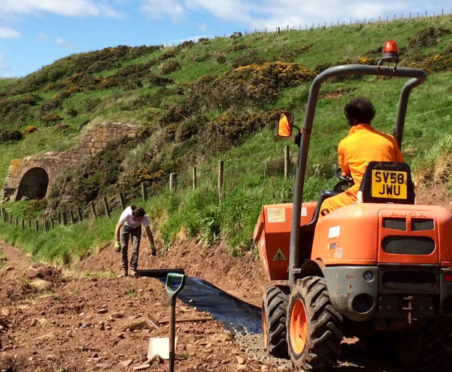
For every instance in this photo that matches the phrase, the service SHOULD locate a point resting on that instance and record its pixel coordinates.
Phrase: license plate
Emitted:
(389, 184)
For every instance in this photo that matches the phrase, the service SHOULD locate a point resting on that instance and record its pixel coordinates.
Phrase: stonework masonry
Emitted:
(33, 176)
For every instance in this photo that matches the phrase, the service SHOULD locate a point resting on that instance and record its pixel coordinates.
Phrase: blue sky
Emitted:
(34, 33)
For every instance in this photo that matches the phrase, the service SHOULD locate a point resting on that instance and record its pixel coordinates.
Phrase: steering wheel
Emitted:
(341, 177)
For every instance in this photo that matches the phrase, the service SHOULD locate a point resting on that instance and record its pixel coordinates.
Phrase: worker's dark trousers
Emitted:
(135, 233)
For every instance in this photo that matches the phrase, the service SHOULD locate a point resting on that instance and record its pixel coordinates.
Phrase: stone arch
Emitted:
(33, 184)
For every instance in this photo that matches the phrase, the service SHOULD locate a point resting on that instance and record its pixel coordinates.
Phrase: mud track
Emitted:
(87, 319)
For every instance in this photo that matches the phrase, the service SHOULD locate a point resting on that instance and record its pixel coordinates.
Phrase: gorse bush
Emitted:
(30, 129)
(85, 62)
(205, 110)
(50, 119)
(427, 37)
(10, 135)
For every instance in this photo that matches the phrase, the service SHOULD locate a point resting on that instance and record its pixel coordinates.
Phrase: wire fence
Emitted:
(276, 162)
(224, 178)
(349, 22)
(280, 161)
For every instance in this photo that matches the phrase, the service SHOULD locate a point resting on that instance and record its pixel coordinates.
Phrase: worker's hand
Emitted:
(118, 246)
(344, 174)
(154, 251)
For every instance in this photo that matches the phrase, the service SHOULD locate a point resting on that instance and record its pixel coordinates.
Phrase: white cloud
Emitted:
(42, 36)
(272, 13)
(203, 27)
(3, 64)
(6, 33)
(71, 8)
(158, 9)
(63, 42)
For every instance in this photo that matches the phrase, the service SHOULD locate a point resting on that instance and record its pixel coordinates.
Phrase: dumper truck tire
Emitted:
(437, 353)
(409, 347)
(314, 327)
(274, 312)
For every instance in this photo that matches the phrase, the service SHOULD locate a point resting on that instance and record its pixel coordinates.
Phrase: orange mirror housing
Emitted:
(285, 124)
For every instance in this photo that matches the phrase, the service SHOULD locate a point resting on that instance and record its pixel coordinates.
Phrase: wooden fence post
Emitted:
(107, 209)
(59, 219)
(29, 224)
(121, 201)
(52, 223)
(286, 162)
(64, 219)
(23, 224)
(72, 217)
(17, 221)
(220, 178)
(80, 216)
(45, 226)
(37, 225)
(144, 192)
(93, 209)
(10, 219)
(194, 178)
(173, 182)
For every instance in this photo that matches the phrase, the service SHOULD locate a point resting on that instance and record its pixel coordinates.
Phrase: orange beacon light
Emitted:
(390, 52)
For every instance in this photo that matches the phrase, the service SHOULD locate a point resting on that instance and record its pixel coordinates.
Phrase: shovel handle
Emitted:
(173, 293)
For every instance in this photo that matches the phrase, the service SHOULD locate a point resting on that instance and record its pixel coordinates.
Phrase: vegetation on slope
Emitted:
(219, 100)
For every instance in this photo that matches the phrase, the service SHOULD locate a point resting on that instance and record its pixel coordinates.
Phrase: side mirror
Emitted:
(285, 124)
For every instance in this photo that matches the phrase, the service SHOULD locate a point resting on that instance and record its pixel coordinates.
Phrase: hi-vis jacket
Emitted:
(362, 145)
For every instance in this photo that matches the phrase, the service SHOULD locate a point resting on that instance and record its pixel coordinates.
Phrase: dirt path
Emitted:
(87, 319)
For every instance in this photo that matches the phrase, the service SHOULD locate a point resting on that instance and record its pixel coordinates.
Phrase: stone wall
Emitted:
(33, 176)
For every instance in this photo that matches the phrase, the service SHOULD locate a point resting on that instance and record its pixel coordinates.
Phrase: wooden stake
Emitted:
(194, 178)
(93, 209)
(107, 209)
(220, 178)
(286, 162)
(173, 182)
(121, 201)
(144, 192)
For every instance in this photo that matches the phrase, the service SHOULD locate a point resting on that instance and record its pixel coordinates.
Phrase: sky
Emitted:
(35, 33)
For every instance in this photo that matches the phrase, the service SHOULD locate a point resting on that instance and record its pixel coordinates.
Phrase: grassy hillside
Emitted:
(219, 99)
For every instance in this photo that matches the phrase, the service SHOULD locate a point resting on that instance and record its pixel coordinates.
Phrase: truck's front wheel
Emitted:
(313, 326)
(274, 312)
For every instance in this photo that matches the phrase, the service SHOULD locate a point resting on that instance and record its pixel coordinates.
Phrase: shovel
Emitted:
(164, 348)
(172, 303)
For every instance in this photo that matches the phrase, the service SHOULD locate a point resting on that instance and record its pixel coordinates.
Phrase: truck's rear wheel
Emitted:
(274, 311)
(313, 326)
(437, 348)
(408, 346)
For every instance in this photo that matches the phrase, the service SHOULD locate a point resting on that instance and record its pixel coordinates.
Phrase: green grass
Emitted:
(253, 167)
(4, 82)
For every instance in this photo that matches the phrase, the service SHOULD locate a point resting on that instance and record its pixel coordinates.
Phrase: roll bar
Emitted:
(417, 78)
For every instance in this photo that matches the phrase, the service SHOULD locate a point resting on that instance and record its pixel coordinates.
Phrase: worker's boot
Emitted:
(123, 274)
(134, 274)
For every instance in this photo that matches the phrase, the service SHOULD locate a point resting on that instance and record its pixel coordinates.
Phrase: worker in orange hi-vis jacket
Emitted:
(362, 145)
